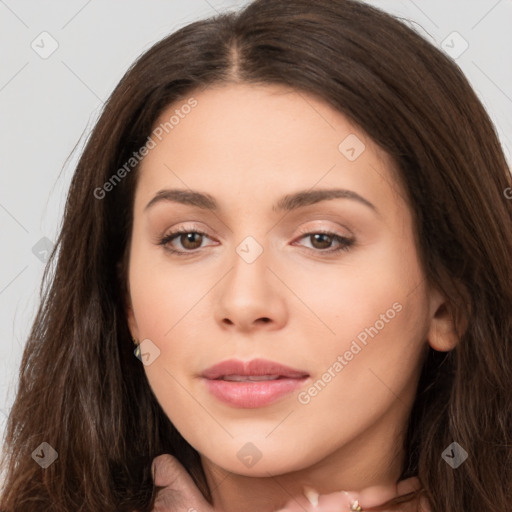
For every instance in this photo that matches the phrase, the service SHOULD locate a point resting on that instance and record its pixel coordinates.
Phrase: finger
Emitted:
(376, 495)
(379, 494)
(179, 492)
(334, 502)
(306, 503)
(168, 472)
(425, 504)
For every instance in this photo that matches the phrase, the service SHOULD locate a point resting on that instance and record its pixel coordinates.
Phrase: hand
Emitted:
(369, 499)
(179, 493)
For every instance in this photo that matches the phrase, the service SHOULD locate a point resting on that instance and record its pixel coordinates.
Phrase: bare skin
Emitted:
(297, 303)
(178, 493)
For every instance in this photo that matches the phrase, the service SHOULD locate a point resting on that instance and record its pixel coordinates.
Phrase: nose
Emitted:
(250, 297)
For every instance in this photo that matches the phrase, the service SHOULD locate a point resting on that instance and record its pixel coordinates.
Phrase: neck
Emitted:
(371, 459)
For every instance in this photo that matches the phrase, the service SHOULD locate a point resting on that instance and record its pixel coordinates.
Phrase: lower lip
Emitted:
(253, 394)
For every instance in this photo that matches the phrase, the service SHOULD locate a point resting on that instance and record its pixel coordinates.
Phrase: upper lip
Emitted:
(255, 367)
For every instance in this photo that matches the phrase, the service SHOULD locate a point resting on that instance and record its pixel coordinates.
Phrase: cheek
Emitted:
(167, 306)
(369, 369)
(163, 295)
(377, 318)
(366, 291)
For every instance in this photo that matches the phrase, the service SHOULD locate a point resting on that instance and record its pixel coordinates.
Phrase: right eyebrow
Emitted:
(188, 197)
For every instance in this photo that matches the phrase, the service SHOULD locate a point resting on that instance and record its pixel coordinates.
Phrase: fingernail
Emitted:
(311, 495)
(153, 470)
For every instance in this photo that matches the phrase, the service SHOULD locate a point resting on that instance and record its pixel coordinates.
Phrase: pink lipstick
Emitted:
(252, 384)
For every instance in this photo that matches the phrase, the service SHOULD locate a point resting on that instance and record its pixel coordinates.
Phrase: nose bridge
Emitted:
(249, 275)
(249, 291)
(250, 249)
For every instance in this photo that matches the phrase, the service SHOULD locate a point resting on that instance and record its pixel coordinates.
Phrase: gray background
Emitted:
(49, 103)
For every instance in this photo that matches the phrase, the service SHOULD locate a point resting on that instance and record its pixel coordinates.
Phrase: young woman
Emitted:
(298, 215)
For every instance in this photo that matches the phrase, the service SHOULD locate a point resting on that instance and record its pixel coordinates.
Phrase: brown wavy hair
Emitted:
(80, 387)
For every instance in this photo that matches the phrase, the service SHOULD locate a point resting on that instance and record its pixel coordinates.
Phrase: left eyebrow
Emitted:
(309, 197)
(286, 203)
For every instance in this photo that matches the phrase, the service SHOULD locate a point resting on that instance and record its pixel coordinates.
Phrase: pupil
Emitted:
(189, 237)
(326, 241)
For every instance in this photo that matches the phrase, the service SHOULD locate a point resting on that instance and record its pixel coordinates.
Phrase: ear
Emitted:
(132, 322)
(124, 287)
(443, 334)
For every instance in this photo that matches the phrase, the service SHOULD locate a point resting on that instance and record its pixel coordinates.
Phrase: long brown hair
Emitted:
(82, 391)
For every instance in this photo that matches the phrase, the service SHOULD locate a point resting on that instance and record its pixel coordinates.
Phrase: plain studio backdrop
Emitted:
(62, 59)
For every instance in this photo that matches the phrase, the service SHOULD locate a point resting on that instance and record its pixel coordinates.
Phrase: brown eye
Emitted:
(184, 241)
(191, 240)
(321, 240)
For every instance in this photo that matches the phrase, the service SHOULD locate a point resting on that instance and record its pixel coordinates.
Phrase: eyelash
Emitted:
(345, 242)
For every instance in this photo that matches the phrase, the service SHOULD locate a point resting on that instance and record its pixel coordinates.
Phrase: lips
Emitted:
(256, 383)
(256, 369)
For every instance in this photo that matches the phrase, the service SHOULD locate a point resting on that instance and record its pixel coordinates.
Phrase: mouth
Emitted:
(250, 378)
(256, 383)
(267, 370)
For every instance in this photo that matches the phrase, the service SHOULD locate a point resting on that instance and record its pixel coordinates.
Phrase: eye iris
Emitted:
(327, 239)
(189, 237)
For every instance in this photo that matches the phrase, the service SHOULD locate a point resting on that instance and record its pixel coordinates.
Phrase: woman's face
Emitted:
(354, 313)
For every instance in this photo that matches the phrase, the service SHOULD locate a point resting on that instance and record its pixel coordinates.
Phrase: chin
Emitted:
(249, 461)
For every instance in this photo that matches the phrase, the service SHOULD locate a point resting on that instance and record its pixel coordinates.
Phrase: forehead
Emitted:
(265, 118)
(251, 140)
